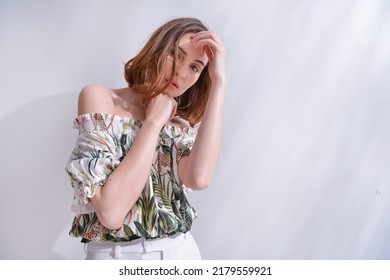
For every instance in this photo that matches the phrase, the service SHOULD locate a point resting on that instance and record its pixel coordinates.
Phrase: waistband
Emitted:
(140, 245)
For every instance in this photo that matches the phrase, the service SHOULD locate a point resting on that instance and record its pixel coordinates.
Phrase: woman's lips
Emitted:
(175, 84)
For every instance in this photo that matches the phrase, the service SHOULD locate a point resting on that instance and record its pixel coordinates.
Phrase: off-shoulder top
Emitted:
(161, 210)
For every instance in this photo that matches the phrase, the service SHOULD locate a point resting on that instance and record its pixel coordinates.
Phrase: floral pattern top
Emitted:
(161, 210)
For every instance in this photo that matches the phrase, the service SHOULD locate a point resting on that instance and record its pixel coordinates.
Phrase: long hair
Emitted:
(144, 72)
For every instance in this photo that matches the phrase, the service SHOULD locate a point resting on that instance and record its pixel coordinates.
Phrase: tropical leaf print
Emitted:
(162, 207)
(163, 191)
(185, 212)
(143, 232)
(128, 230)
(165, 221)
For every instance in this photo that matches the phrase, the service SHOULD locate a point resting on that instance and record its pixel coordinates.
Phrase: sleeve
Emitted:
(91, 162)
(183, 147)
(185, 142)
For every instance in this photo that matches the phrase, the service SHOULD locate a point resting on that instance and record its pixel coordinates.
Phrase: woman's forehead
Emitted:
(190, 49)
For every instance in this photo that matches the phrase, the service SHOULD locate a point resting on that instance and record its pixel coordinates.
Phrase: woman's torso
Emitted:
(162, 208)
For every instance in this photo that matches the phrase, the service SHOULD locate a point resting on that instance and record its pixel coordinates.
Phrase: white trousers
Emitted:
(181, 246)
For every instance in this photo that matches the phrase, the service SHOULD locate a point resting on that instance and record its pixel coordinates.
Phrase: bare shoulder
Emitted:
(95, 99)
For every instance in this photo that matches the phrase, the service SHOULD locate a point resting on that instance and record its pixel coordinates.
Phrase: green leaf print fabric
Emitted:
(161, 210)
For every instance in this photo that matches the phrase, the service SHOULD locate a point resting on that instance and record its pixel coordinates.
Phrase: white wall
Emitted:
(304, 169)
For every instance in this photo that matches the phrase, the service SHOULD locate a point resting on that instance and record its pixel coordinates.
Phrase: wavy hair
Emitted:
(144, 72)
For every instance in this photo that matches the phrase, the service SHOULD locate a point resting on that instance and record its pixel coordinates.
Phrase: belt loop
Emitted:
(145, 245)
(86, 248)
(162, 254)
(117, 252)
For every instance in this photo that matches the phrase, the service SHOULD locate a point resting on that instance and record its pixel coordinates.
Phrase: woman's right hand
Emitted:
(161, 109)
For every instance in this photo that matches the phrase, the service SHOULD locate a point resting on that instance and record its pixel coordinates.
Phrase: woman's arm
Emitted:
(197, 169)
(124, 185)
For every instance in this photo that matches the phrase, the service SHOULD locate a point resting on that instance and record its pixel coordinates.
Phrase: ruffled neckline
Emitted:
(108, 118)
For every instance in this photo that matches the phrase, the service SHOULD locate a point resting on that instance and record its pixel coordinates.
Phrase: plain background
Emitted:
(304, 166)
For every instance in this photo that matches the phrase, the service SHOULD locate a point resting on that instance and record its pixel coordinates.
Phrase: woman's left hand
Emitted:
(215, 51)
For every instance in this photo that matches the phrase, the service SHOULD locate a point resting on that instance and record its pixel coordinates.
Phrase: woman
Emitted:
(140, 148)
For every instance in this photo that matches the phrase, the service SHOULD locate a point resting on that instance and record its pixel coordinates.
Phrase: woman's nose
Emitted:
(180, 70)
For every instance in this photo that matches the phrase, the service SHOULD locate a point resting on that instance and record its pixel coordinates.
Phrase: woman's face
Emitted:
(189, 64)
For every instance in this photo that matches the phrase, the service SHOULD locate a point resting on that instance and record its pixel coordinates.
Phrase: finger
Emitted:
(206, 35)
(215, 45)
(209, 52)
(208, 42)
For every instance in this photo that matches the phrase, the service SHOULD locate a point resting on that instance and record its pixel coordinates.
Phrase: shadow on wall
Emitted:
(35, 191)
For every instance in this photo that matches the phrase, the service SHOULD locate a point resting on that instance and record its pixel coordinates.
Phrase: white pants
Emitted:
(181, 246)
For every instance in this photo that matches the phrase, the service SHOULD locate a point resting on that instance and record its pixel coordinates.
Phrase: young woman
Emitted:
(141, 148)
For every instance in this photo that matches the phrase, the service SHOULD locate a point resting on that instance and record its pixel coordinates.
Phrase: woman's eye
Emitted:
(193, 67)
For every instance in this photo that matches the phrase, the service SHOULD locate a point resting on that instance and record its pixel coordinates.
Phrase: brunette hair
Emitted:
(144, 72)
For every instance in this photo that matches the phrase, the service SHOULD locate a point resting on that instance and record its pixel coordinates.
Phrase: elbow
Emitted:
(110, 216)
(201, 185)
(199, 182)
(195, 177)
(110, 220)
